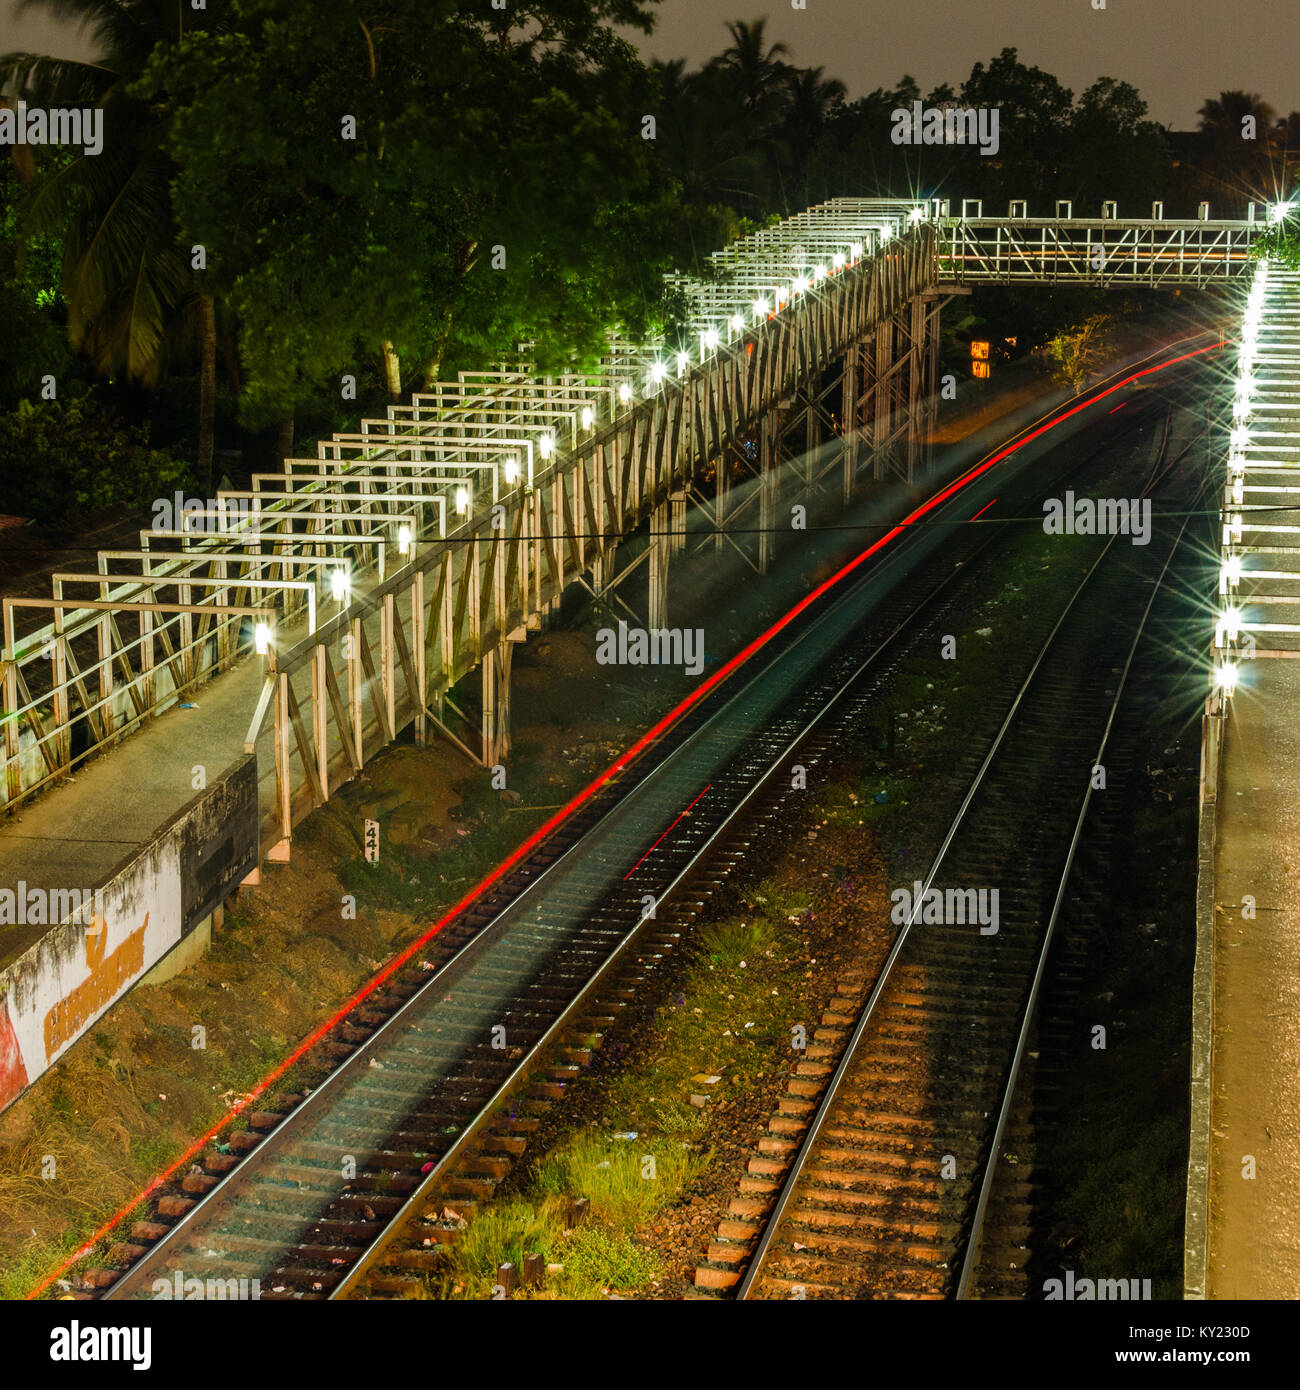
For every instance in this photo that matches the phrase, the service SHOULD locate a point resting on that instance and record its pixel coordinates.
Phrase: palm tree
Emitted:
(756, 66)
(708, 141)
(1232, 148)
(134, 305)
(811, 100)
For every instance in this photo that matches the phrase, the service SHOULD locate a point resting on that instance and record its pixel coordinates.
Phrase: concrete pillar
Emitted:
(849, 421)
(768, 483)
(917, 362)
(660, 549)
(495, 670)
(880, 413)
(932, 387)
(677, 504)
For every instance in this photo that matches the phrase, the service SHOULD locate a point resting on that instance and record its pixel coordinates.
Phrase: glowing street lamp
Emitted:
(683, 361)
(1225, 677)
(760, 308)
(403, 540)
(512, 470)
(262, 638)
(547, 445)
(737, 323)
(340, 584)
(588, 417)
(625, 393)
(1229, 628)
(462, 501)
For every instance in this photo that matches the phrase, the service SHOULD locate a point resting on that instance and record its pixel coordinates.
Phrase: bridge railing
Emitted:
(1096, 251)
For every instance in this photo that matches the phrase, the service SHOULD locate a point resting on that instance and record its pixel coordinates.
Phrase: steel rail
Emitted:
(970, 1256)
(866, 1017)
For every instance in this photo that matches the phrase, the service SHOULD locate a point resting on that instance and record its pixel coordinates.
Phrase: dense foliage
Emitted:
(296, 221)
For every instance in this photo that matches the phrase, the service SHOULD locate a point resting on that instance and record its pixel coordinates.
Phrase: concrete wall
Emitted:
(151, 903)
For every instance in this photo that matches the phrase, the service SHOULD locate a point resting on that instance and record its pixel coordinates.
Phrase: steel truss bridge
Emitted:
(354, 589)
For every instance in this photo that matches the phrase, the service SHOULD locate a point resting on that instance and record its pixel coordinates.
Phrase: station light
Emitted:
(403, 540)
(657, 373)
(737, 323)
(1279, 212)
(1239, 438)
(856, 249)
(512, 471)
(547, 445)
(917, 214)
(819, 273)
(588, 417)
(839, 260)
(462, 501)
(340, 583)
(262, 638)
(1229, 628)
(801, 283)
(1225, 677)
(760, 308)
(683, 361)
(711, 339)
(1230, 574)
(1238, 488)
(625, 393)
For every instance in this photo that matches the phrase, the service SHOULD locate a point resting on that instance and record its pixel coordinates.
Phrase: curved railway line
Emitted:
(424, 1094)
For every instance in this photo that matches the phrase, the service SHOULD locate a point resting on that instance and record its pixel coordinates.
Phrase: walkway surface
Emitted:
(1254, 1225)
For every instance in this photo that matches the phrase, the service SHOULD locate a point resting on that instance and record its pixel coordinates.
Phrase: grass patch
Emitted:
(626, 1181)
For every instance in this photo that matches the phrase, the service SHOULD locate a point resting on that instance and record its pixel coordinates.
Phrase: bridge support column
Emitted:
(677, 505)
(769, 478)
(496, 668)
(849, 422)
(918, 361)
(880, 392)
(660, 549)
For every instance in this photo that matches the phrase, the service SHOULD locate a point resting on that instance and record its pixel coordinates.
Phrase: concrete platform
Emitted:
(1253, 1227)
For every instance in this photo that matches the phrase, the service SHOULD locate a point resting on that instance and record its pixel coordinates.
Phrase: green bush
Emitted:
(61, 457)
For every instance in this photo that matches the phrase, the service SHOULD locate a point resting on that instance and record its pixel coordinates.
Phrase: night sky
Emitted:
(1176, 52)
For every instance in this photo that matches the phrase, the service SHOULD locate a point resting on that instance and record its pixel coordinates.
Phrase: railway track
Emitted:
(886, 1182)
(431, 1086)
